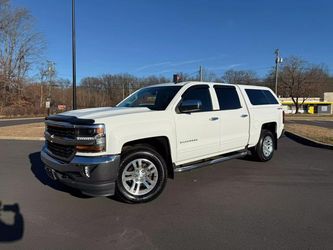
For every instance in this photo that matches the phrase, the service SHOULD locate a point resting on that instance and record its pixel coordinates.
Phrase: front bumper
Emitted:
(102, 172)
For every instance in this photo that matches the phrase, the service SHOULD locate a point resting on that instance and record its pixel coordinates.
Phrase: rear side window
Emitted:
(261, 97)
(227, 97)
(200, 93)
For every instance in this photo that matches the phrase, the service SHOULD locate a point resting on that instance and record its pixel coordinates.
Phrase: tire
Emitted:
(142, 175)
(264, 150)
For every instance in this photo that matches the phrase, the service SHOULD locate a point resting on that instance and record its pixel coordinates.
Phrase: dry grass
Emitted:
(316, 133)
(20, 116)
(309, 117)
(26, 130)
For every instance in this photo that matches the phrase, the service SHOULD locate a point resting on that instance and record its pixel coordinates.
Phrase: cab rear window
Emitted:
(261, 97)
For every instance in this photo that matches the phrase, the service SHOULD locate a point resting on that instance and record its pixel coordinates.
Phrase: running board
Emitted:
(210, 162)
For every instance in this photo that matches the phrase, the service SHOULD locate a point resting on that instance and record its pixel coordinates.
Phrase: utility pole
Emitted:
(74, 54)
(50, 74)
(278, 60)
(129, 88)
(43, 74)
(200, 74)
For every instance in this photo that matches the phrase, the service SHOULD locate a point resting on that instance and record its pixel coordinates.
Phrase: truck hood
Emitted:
(104, 112)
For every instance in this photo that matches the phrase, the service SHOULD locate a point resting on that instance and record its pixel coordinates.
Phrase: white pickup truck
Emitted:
(130, 150)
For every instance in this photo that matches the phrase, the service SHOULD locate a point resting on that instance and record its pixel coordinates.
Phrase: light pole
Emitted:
(278, 60)
(74, 54)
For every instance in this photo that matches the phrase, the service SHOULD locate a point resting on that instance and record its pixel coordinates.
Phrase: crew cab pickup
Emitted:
(130, 150)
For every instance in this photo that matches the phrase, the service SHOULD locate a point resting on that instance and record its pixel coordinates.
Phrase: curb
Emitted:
(22, 138)
(307, 141)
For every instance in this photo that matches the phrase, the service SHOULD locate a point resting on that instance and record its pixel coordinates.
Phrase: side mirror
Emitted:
(189, 106)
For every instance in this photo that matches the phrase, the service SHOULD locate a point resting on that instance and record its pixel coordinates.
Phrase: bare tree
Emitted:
(20, 46)
(300, 80)
(240, 77)
(211, 76)
(108, 90)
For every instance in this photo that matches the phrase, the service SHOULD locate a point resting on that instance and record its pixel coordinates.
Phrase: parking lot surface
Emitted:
(284, 203)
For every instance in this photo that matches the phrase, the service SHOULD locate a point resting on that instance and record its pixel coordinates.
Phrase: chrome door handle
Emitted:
(213, 118)
(244, 115)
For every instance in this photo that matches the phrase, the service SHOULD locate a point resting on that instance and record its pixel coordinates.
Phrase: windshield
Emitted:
(155, 98)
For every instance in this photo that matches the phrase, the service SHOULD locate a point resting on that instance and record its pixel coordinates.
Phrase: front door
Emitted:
(198, 133)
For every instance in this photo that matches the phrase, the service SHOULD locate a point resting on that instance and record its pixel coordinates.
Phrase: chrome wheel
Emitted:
(267, 146)
(139, 176)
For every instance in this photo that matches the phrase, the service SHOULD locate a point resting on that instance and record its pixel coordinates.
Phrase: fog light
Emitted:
(86, 171)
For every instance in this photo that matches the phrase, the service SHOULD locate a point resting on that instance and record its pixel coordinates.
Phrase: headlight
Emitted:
(91, 132)
(92, 139)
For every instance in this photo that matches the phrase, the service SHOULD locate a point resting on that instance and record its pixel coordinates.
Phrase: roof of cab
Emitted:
(168, 84)
(183, 83)
(209, 83)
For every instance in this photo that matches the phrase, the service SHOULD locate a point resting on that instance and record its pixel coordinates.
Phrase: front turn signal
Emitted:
(90, 148)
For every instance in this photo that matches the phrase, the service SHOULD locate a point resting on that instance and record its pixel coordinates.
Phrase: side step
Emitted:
(183, 168)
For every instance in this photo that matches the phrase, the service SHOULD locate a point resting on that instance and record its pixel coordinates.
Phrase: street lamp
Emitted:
(74, 54)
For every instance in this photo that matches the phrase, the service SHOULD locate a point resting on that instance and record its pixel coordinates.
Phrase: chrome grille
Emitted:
(63, 152)
(61, 131)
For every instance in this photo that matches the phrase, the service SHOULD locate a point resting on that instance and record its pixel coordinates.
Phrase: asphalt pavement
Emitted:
(11, 122)
(324, 124)
(286, 203)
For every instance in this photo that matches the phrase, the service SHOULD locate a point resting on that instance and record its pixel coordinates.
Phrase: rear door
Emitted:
(198, 133)
(234, 118)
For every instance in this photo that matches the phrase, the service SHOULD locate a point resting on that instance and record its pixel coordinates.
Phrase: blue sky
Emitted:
(145, 37)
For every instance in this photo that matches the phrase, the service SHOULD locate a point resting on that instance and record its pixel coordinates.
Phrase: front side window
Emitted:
(154, 98)
(199, 93)
(227, 97)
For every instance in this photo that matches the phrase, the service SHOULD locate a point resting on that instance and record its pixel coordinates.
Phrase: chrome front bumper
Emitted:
(94, 176)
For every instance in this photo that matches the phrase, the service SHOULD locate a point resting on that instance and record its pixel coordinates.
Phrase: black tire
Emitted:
(149, 155)
(258, 152)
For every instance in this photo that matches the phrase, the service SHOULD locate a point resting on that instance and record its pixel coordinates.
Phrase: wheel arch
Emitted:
(160, 144)
(272, 127)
